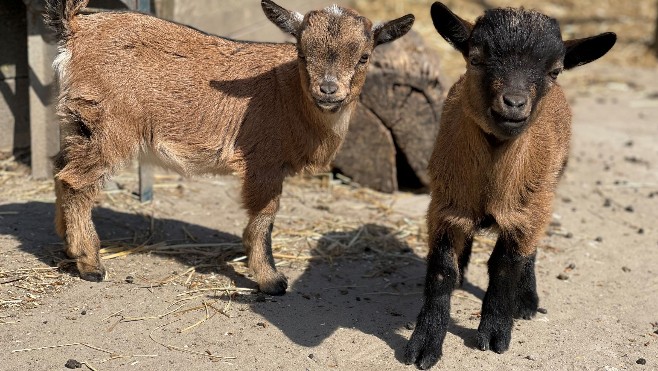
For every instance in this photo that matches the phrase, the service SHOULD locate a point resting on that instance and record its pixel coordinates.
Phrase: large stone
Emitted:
(404, 91)
(376, 167)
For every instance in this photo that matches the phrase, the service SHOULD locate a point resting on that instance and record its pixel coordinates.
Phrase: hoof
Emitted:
(90, 273)
(276, 285)
(495, 334)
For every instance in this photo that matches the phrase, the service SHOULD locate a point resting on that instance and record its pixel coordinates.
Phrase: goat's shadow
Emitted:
(377, 293)
(32, 224)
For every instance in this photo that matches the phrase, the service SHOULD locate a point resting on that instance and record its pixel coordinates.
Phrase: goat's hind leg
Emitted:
(80, 169)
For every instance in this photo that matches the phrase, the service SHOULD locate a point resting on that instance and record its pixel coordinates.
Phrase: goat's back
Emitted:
(185, 94)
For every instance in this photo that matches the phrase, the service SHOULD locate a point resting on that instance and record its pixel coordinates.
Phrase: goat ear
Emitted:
(392, 30)
(288, 21)
(455, 30)
(583, 51)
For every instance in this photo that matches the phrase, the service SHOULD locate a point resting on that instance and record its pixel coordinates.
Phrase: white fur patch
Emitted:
(299, 17)
(334, 9)
(61, 62)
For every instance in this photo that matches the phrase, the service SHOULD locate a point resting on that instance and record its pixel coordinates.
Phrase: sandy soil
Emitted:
(179, 297)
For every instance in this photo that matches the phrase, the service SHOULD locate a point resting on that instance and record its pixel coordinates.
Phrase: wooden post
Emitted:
(44, 131)
(655, 33)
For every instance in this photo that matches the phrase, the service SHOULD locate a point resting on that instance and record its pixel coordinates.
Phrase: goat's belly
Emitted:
(187, 163)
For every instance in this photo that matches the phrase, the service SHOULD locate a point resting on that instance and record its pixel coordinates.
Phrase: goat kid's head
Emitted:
(334, 46)
(514, 57)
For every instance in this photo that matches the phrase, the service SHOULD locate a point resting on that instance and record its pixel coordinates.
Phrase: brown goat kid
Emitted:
(132, 84)
(502, 145)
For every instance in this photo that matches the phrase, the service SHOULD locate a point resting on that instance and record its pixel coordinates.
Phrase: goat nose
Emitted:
(515, 100)
(328, 87)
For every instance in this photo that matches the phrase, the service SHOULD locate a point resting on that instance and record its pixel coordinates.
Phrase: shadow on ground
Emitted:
(379, 292)
(374, 285)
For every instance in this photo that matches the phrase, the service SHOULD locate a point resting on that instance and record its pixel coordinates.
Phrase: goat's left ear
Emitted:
(288, 21)
(392, 30)
(583, 51)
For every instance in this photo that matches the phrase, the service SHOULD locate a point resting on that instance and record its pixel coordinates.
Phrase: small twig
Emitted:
(113, 314)
(394, 293)
(62, 346)
(12, 280)
(173, 347)
(227, 289)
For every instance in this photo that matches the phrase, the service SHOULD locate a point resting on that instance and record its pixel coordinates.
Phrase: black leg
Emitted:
(424, 347)
(464, 259)
(506, 267)
(527, 299)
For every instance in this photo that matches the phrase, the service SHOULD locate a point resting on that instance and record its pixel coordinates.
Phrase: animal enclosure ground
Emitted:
(179, 297)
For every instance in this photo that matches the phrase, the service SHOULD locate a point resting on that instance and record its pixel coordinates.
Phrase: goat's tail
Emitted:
(60, 13)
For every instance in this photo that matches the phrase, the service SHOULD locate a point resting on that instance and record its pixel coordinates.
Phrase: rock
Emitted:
(562, 277)
(72, 364)
(641, 361)
(368, 154)
(402, 97)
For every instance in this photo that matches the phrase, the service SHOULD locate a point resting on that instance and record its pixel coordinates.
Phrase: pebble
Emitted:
(411, 326)
(262, 324)
(542, 310)
(72, 363)
(626, 269)
(571, 266)
(84, 312)
(640, 231)
(130, 279)
(530, 357)
(311, 356)
(598, 239)
(641, 361)
(607, 202)
(562, 277)
(629, 208)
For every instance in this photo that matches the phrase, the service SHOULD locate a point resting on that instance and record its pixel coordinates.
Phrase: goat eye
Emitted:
(364, 58)
(554, 73)
(475, 61)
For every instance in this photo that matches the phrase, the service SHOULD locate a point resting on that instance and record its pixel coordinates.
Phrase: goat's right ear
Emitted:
(455, 30)
(288, 21)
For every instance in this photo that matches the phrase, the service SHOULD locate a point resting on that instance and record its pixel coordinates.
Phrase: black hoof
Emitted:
(495, 334)
(95, 276)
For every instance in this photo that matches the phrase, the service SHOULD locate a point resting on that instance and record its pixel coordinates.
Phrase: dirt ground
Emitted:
(179, 296)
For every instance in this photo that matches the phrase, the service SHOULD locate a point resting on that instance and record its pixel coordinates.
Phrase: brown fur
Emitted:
(132, 84)
(473, 176)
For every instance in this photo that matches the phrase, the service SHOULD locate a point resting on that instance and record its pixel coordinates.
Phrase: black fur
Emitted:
(583, 51)
(58, 15)
(512, 291)
(519, 48)
(424, 347)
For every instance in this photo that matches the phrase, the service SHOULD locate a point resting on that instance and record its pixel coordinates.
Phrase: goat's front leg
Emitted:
(512, 292)
(257, 239)
(425, 346)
